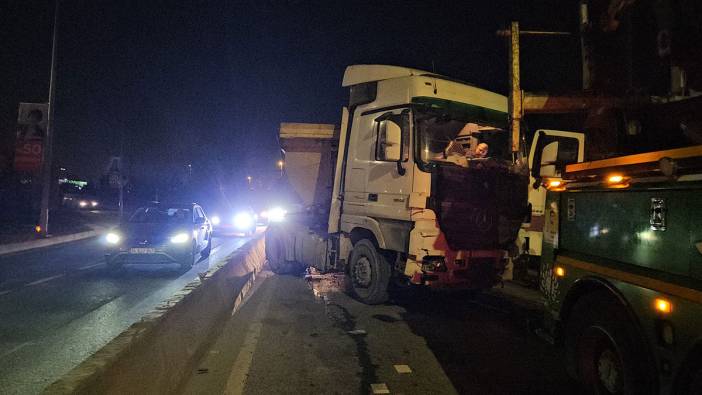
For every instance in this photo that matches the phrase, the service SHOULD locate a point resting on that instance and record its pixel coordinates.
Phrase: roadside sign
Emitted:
(31, 130)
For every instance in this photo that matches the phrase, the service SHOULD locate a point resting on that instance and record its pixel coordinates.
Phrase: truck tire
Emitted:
(604, 348)
(369, 272)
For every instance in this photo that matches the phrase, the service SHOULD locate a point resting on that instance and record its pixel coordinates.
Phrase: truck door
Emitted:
(569, 147)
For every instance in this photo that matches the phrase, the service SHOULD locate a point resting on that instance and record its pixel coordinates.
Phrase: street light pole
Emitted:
(280, 166)
(48, 140)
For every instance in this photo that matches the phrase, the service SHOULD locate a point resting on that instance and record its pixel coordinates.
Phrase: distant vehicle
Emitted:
(81, 202)
(161, 234)
(241, 220)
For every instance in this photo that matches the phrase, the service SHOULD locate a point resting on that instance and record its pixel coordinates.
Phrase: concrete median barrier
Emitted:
(156, 353)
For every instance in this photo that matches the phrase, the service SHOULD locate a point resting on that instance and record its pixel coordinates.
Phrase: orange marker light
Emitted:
(554, 184)
(663, 305)
(37, 229)
(559, 271)
(615, 179)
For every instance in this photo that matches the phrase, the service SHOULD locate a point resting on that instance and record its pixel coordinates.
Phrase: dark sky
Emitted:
(208, 82)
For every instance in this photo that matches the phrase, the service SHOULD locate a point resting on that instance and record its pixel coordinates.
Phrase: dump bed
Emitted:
(310, 157)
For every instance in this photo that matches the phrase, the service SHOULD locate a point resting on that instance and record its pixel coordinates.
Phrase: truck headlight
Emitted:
(243, 220)
(180, 238)
(112, 238)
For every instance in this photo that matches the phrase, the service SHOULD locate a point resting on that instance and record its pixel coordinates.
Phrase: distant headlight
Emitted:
(112, 238)
(180, 238)
(264, 214)
(243, 220)
(277, 214)
(93, 203)
(215, 220)
(82, 203)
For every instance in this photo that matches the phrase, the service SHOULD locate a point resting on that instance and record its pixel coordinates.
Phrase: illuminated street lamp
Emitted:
(281, 164)
(248, 180)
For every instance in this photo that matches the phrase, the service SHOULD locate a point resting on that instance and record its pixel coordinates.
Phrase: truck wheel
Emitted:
(369, 272)
(603, 347)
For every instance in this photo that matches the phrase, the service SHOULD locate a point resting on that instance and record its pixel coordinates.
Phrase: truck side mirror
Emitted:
(549, 158)
(389, 147)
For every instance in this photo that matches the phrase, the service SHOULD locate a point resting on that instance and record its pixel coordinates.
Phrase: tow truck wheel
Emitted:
(369, 272)
(602, 346)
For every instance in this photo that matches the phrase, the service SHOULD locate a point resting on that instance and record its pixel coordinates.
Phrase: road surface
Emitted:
(61, 304)
(307, 337)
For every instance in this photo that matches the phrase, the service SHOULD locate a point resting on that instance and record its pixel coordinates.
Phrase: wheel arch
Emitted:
(590, 284)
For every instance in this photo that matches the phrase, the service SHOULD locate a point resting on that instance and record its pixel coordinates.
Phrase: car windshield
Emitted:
(457, 137)
(161, 215)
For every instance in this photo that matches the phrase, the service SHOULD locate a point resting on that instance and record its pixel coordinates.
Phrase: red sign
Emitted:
(28, 155)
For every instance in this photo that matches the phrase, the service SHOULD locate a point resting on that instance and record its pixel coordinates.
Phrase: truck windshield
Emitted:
(456, 137)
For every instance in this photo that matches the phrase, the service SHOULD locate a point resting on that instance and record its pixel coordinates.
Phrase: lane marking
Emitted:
(91, 265)
(15, 349)
(240, 370)
(402, 369)
(380, 388)
(43, 280)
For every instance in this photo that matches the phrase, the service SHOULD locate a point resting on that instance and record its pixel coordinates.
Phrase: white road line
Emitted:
(91, 266)
(43, 280)
(240, 370)
(15, 349)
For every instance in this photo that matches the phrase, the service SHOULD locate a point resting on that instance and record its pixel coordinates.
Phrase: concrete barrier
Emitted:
(155, 354)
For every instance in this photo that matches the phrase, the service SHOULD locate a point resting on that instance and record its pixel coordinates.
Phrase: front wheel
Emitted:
(206, 251)
(603, 348)
(369, 272)
(188, 260)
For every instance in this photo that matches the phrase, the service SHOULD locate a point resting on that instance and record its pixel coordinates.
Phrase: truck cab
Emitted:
(426, 188)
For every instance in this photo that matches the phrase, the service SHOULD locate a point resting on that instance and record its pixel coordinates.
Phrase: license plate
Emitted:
(142, 250)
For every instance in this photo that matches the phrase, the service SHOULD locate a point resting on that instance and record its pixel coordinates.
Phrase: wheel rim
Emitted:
(362, 272)
(609, 371)
(600, 362)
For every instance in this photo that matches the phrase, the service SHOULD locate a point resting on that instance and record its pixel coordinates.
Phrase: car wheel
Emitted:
(206, 251)
(189, 259)
(369, 272)
(603, 348)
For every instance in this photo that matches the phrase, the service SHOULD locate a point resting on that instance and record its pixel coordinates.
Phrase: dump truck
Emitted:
(401, 192)
(622, 271)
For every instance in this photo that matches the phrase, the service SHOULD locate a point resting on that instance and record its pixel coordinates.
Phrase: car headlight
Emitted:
(93, 203)
(243, 220)
(82, 203)
(180, 238)
(277, 214)
(215, 220)
(112, 238)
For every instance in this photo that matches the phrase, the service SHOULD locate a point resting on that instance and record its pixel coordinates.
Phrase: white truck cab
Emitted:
(425, 186)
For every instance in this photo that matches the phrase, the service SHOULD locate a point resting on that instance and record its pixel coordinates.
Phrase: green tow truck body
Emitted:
(622, 271)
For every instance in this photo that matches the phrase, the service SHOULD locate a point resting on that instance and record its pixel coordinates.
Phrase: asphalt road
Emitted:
(60, 304)
(308, 337)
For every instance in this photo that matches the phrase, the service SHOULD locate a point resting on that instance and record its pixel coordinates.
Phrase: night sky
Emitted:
(208, 82)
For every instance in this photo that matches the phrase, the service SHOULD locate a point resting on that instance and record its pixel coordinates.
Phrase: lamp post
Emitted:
(281, 164)
(248, 180)
(47, 178)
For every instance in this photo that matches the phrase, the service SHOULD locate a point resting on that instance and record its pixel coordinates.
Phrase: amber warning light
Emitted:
(663, 305)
